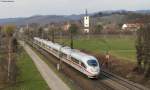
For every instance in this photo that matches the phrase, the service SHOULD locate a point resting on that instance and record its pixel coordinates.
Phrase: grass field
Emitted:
(121, 47)
(29, 78)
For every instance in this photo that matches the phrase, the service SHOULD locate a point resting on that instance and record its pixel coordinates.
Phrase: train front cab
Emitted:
(93, 68)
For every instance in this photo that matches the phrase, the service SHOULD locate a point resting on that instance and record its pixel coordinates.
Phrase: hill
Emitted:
(117, 16)
(41, 19)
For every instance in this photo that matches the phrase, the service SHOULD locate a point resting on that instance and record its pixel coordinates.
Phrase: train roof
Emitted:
(82, 56)
(66, 50)
(49, 43)
(56, 46)
(53, 45)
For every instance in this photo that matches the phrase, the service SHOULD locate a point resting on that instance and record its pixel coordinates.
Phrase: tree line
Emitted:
(52, 32)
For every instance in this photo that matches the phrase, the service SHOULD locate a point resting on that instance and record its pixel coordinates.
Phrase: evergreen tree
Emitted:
(143, 49)
(139, 50)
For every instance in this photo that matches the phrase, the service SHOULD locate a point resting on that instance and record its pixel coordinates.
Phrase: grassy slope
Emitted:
(123, 47)
(30, 78)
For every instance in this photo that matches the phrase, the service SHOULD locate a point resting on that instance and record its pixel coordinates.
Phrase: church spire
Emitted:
(86, 12)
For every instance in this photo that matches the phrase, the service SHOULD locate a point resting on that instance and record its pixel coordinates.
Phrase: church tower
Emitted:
(86, 22)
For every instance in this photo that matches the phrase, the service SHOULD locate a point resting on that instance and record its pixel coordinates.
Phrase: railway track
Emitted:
(128, 84)
(107, 80)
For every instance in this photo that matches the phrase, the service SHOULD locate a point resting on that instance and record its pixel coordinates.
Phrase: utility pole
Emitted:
(60, 57)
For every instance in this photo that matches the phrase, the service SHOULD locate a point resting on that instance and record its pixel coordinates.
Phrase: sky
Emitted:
(26, 8)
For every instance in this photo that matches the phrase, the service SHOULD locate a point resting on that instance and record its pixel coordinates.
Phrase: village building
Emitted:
(66, 26)
(131, 26)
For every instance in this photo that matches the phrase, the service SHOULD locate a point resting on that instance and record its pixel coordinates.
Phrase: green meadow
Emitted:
(119, 46)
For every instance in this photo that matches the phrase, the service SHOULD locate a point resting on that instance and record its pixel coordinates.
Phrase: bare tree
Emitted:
(98, 29)
(9, 30)
(40, 32)
(52, 29)
(73, 29)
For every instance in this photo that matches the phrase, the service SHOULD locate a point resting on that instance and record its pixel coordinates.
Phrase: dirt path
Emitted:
(53, 81)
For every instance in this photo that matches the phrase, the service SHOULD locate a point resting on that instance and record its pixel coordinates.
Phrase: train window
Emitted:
(75, 60)
(60, 54)
(64, 55)
(47, 46)
(54, 50)
(40, 43)
(92, 63)
(83, 65)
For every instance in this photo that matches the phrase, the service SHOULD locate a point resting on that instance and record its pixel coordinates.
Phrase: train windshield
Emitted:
(92, 63)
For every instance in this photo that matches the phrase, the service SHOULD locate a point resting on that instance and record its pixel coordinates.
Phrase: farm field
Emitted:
(121, 47)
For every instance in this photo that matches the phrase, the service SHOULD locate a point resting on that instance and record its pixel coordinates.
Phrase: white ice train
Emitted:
(82, 62)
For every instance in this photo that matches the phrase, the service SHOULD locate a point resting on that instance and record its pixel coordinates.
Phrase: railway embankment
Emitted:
(53, 81)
